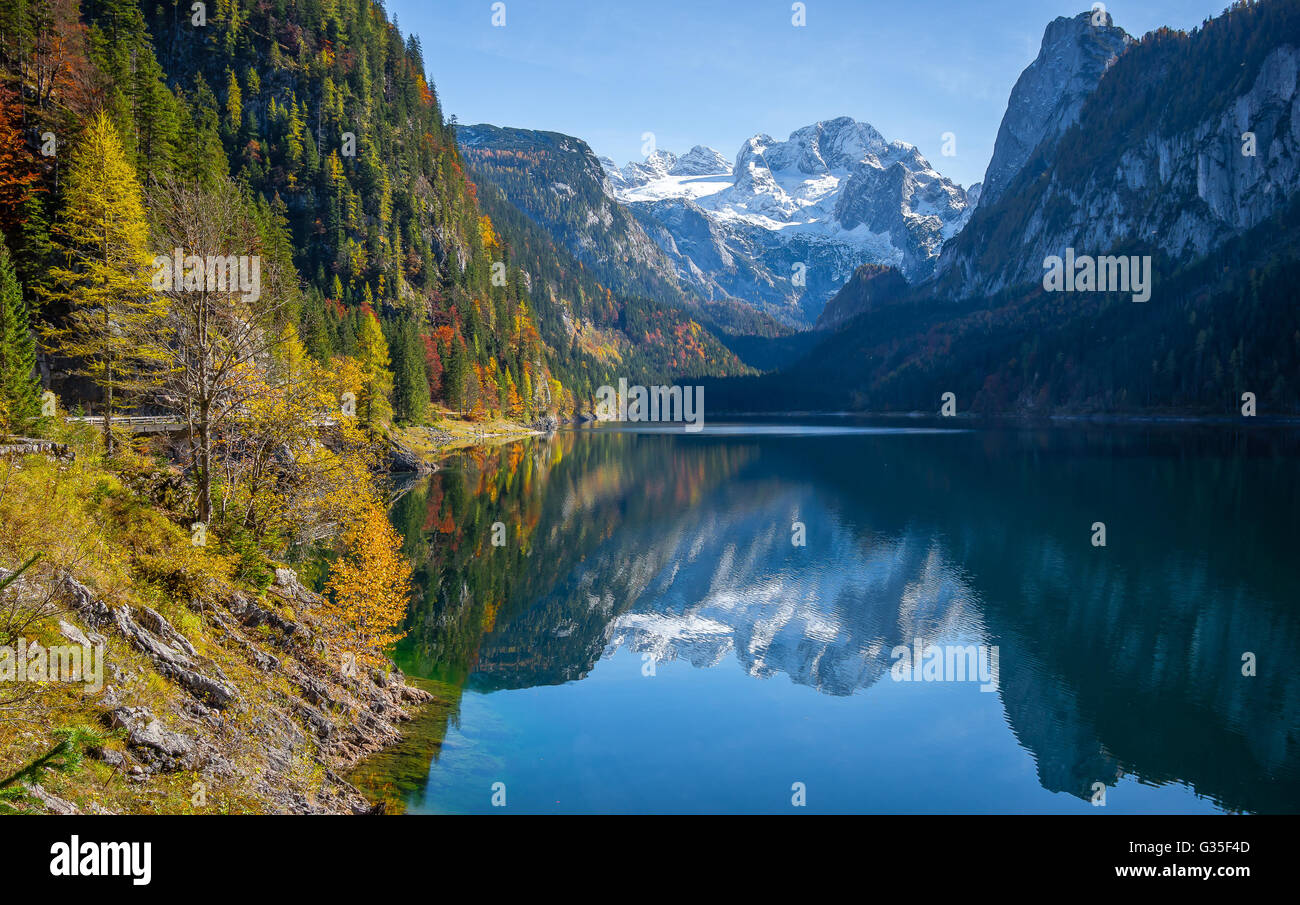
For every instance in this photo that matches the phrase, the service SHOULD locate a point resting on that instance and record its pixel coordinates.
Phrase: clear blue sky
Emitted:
(715, 72)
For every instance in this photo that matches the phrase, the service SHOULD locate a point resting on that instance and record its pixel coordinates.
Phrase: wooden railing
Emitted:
(137, 424)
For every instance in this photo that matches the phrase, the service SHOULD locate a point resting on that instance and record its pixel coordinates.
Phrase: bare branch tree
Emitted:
(225, 304)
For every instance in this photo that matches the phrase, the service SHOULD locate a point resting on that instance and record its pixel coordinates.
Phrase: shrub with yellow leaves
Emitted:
(369, 586)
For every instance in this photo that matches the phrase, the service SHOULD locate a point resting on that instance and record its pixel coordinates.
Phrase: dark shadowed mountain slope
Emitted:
(870, 285)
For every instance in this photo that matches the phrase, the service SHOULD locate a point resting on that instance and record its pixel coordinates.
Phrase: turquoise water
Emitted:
(649, 638)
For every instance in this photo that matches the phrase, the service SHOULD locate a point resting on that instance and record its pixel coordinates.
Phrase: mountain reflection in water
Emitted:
(1116, 661)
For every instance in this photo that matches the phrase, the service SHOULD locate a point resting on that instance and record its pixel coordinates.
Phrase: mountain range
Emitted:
(1184, 151)
(514, 271)
(780, 230)
(1177, 146)
(786, 223)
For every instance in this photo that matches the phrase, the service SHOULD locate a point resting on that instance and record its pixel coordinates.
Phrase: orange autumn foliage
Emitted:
(18, 173)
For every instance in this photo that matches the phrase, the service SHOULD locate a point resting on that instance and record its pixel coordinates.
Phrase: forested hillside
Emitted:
(321, 114)
(328, 116)
(1224, 326)
(293, 102)
(198, 224)
(598, 282)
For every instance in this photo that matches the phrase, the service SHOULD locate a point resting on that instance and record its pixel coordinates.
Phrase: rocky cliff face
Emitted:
(560, 184)
(1181, 186)
(1181, 193)
(1049, 95)
(733, 259)
(716, 262)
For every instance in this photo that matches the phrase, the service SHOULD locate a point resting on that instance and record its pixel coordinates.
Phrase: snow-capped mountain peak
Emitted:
(655, 167)
(661, 165)
(833, 195)
(823, 147)
(701, 161)
(612, 173)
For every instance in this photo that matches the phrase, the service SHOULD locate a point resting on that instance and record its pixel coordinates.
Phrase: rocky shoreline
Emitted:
(240, 703)
(264, 704)
(417, 450)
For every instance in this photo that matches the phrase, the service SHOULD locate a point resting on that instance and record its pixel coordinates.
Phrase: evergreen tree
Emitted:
(141, 104)
(410, 377)
(455, 377)
(234, 103)
(314, 329)
(20, 390)
(203, 156)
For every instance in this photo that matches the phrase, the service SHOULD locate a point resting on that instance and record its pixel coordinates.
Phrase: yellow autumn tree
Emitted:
(102, 272)
(369, 586)
(375, 405)
(488, 234)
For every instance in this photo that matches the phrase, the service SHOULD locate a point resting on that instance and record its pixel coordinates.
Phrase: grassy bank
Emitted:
(226, 686)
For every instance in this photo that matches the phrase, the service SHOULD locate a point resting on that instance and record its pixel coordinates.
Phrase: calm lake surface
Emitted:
(649, 638)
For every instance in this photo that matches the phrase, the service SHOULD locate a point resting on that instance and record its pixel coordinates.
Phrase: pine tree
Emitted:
(103, 272)
(234, 103)
(455, 378)
(140, 102)
(203, 157)
(410, 378)
(20, 390)
(314, 329)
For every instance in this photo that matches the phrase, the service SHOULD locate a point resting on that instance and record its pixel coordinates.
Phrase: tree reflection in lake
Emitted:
(1115, 661)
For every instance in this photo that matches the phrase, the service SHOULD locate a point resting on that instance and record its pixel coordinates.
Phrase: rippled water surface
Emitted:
(649, 638)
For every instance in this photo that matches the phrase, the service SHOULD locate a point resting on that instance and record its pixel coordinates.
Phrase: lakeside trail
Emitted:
(212, 697)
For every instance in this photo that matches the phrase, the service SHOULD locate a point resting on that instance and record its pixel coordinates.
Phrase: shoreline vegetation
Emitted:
(228, 685)
(421, 448)
(260, 234)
